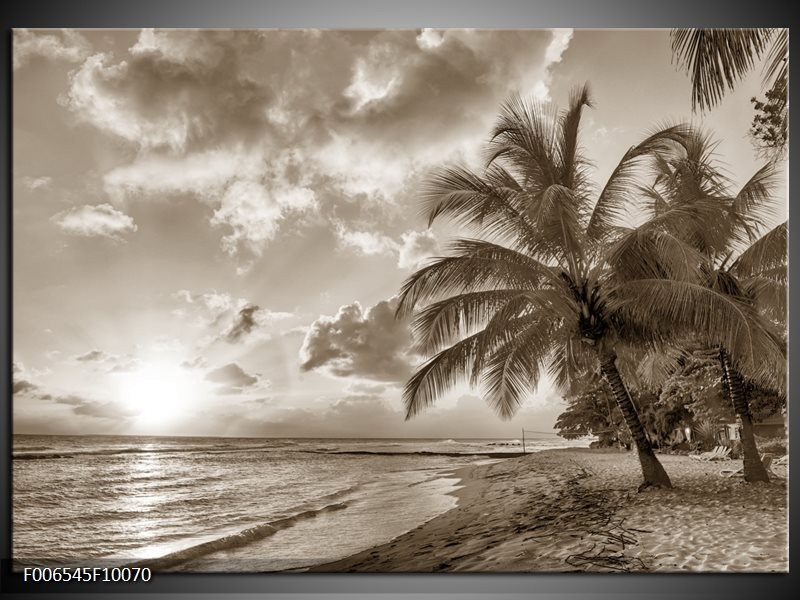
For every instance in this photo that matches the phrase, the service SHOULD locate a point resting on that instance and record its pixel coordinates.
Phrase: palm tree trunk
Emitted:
(652, 471)
(733, 385)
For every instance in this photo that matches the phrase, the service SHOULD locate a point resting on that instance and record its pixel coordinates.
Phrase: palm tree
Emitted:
(534, 290)
(736, 261)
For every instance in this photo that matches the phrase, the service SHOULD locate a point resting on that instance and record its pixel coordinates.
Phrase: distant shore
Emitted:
(578, 510)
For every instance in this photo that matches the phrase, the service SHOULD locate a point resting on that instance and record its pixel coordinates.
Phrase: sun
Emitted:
(159, 393)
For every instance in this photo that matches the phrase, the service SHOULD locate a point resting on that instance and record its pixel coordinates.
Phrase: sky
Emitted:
(211, 227)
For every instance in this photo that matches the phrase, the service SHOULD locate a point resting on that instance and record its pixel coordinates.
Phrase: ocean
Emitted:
(225, 504)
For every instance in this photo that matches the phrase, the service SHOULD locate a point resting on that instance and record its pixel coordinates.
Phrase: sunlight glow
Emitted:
(159, 393)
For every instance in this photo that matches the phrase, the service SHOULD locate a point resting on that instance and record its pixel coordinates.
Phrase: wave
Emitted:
(216, 449)
(489, 453)
(234, 540)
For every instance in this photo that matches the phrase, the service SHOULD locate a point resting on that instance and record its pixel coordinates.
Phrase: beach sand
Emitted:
(578, 510)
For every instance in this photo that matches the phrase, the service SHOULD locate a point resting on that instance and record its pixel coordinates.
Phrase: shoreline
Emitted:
(577, 509)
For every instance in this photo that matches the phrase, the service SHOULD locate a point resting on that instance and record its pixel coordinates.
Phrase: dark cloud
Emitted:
(23, 386)
(370, 344)
(176, 90)
(231, 379)
(92, 356)
(79, 405)
(106, 410)
(244, 322)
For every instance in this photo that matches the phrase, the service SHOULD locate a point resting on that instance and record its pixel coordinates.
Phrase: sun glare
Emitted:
(159, 393)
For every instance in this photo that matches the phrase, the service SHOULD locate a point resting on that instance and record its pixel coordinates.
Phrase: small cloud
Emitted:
(102, 220)
(92, 356)
(363, 387)
(243, 324)
(37, 183)
(366, 242)
(231, 379)
(428, 39)
(22, 386)
(198, 362)
(126, 366)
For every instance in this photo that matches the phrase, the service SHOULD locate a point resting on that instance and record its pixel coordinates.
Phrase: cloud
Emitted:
(199, 362)
(232, 320)
(363, 387)
(37, 183)
(366, 242)
(417, 247)
(102, 220)
(126, 366)
(175, 90)
(250, 211)
(369, 344)
(22, 386)
(429, 39)
(231, 379)
(267, 126)
(243, 323)
(92, 356)
(65, 45)
(253, 194)
(552, 56)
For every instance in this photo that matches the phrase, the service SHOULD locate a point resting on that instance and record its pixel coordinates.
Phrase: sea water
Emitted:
(224, 504)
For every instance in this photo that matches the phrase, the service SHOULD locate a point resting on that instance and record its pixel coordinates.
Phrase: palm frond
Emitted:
(443, 322)
(570, 120)
(619, 189)
(766, 253)
(439, 374)
(492, 204)
(646, 252)
(754, 196)
(717, 58)
(769, 296)
(776, 69)
(512, 371)
(571, 364)
(668, 308)
(475, 266)
(526, 137)
(543, 310)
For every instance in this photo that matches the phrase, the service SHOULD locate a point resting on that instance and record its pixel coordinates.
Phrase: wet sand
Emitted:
(578, 510)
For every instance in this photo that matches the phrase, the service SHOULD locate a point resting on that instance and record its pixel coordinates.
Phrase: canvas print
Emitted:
(432, 300)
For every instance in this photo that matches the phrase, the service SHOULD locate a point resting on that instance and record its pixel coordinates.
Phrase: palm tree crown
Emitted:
(549, 278)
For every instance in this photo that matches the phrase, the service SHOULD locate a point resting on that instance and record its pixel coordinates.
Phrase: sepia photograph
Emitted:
(400, 300)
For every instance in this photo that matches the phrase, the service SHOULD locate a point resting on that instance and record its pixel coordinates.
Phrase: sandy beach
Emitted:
(578, 510)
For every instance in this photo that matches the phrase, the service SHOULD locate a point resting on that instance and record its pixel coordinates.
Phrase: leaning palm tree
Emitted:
(533, 290)
(736, 261)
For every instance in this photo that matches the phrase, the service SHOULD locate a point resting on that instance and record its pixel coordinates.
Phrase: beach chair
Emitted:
(766, 460)
(718, 453)
(780, 467)
(723, 453)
